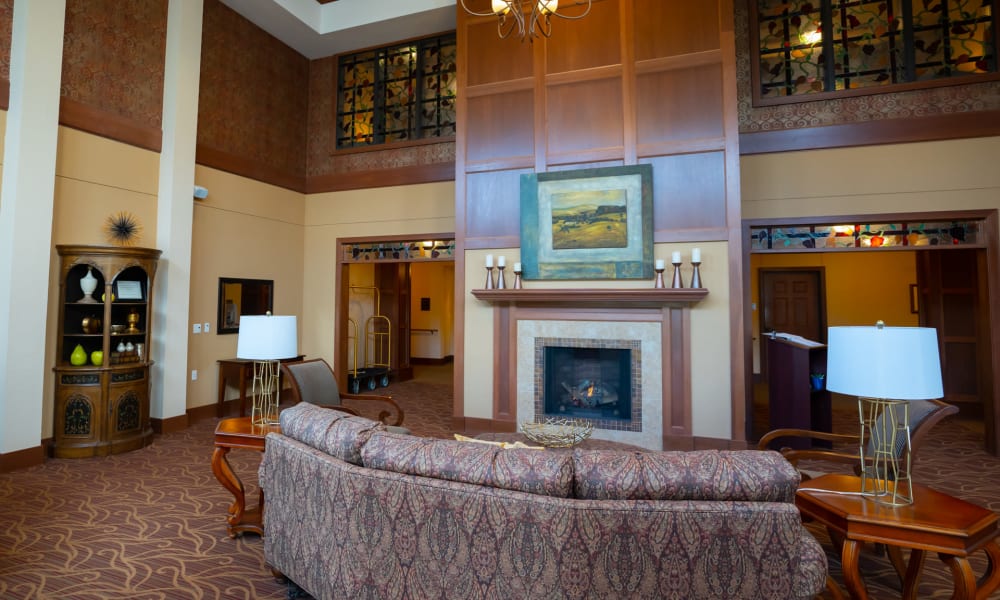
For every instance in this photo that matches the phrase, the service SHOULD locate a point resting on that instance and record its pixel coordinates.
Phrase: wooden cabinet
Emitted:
(102, 352)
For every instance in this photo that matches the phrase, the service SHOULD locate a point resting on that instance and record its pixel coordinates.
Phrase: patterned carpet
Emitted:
(150, 524)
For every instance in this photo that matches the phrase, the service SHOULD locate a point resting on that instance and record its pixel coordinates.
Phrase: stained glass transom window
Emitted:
(399, 251)
(807, 47)
(865, 235)
(397, 93)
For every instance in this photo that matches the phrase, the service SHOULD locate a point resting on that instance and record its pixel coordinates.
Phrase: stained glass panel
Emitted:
(398, 251)
(865, 235)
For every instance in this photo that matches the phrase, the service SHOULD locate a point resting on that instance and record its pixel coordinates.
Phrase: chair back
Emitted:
(922, 416)
(313, 381)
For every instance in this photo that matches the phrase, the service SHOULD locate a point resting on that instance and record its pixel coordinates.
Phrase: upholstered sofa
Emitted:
(355, 511)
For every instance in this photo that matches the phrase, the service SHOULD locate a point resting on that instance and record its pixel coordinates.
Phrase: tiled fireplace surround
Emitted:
(658, 320)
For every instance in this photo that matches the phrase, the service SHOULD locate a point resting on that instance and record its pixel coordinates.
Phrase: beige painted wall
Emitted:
(95, 178)
(710, 373)
(244, 228)
(414, 209)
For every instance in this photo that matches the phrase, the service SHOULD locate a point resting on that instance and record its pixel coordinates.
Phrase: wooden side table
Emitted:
(240, 370)
(935, 522)
(239, 433)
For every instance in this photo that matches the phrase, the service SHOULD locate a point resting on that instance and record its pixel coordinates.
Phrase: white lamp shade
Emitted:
(894, 363)
(267, 337)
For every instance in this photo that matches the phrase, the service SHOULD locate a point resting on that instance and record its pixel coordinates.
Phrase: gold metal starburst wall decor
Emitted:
(122, 228)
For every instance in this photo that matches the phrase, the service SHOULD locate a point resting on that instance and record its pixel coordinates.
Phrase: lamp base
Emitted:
(885, 451)
(264, 409)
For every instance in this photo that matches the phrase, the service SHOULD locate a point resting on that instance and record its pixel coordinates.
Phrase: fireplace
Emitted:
(598, 380)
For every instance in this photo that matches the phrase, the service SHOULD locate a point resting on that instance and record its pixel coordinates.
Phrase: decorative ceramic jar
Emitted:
(88, 283)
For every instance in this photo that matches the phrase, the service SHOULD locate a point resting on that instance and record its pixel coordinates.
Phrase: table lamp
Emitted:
(886, 368)
(265, 339)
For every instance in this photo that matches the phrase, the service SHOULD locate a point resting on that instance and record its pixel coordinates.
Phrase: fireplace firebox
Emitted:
(588, 383)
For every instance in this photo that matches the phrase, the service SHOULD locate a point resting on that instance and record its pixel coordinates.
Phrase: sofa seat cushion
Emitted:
(335, 432)
(741, 475)
(523, 470)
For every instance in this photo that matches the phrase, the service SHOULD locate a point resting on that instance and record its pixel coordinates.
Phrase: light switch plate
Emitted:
(194, 374)
(206, 327)
(196, 328)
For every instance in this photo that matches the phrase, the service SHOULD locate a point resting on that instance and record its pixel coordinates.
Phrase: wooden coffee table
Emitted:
(935, 522)
(239, 433)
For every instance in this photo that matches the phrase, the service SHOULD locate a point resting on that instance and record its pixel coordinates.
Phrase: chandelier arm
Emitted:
(589, 3)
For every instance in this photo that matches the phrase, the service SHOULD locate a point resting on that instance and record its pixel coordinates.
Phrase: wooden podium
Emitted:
(794, 402)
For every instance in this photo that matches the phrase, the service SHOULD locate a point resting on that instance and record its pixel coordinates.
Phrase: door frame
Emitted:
(820, 272)
(743, 407)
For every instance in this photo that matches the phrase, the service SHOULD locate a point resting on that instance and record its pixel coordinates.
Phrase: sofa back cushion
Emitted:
(742, 475)
(337, 433)
(532, 471)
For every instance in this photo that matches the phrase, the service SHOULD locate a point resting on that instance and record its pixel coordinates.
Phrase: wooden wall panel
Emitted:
(493, 206)
(500, 126)
(585, 115)
(679, 104)
(484, 48)
(690, 192)
(674, 27)
(593, 41)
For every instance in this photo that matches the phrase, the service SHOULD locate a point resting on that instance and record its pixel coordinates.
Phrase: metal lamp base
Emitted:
(264, 410)
(885, 451)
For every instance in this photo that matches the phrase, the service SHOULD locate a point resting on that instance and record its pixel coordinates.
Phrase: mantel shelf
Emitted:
(626, 298)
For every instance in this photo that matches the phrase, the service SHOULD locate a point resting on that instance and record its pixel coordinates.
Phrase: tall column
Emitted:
(26, 205)
(175, 209)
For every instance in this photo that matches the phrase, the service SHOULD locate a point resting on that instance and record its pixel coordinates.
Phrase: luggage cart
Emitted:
(376, 347)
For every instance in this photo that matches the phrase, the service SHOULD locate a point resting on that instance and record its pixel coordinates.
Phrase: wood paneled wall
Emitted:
(636, 81)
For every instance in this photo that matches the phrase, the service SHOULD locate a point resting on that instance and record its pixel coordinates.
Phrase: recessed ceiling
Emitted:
(320, 28)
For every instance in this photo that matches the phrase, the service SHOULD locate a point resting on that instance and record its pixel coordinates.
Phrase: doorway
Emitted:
(792, 300)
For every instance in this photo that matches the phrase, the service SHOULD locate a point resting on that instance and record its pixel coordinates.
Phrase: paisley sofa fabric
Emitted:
(435, 519)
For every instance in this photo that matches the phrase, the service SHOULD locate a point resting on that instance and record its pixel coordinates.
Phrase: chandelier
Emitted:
(512, 18)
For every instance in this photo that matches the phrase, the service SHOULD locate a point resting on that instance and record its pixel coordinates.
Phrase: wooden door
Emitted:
(952, 300)
(792, 301)
(393, 282)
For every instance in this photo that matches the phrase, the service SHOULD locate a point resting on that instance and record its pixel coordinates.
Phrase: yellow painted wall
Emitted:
(245, 229)
(861, 287)
(436, 282)
(414, 209)
(710, 346)
(95, 179)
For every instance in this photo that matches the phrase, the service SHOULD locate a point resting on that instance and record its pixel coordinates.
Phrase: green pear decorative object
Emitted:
(79, 356)
(97, 358)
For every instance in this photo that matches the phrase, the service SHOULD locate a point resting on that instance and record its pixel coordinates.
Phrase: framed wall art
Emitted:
(588, 224)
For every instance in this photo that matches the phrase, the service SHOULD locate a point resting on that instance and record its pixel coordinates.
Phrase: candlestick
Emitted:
(502, 262)
(517, 276)
(675, 257)
(489, 277)
(659, 264)
(696, 255)
(677, 282)
(489, 261)
(696, 275)
(500, 281)
(658, 284)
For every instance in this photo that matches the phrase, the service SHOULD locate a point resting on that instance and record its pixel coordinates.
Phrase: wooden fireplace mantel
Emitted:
(625, 298)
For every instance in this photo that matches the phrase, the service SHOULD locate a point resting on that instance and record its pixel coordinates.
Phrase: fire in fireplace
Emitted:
(588, 383)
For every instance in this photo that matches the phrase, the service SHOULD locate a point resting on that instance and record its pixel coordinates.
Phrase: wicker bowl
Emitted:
(558, 433)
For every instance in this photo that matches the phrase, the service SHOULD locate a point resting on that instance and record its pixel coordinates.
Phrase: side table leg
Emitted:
(849, 555)
(224, 473)
(911, 582)
(961, 572)
(990, 580)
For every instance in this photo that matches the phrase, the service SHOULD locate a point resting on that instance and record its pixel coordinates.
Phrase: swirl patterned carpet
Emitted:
(150, 524)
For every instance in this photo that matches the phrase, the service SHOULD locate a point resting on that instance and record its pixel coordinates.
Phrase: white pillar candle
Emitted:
(517, 267)
(659, 264)
(502, 261)
(696, 255)
(489, 261)
(675, 257)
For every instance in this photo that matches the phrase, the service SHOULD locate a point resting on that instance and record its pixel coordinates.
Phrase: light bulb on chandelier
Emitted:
(512, 18)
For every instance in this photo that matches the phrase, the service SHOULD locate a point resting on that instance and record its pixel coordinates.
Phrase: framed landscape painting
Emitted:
(588, 224)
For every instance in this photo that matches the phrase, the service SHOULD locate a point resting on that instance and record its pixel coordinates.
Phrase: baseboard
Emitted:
(22, 459)
(178, 423)
(432, 361)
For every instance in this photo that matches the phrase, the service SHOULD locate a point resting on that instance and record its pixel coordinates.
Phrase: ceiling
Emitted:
(320, 28)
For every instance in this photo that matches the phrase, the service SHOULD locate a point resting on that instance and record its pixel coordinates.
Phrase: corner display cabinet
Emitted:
(102, 357)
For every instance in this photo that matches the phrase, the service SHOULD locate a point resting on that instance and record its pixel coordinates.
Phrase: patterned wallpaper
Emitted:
(254, 93)
(894, 105)
(6, 33)
(113, 56)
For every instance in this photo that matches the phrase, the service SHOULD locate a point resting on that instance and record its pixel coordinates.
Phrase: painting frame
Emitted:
(594, 223)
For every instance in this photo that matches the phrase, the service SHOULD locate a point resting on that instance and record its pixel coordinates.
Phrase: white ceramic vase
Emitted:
(88, 283)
